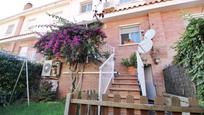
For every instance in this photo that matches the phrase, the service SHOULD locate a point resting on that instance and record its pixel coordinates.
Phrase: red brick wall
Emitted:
(90, 81)
(169, 26)
(111, 28)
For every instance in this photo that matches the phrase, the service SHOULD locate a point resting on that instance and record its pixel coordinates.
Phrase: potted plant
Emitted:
(130, 63)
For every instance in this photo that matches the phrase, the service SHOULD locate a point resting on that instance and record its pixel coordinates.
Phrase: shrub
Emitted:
(190, 54)
(131, 61)
(9, 70)
(44, 92)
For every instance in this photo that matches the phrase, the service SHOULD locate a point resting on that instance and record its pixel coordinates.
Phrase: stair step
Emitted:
(124, 83)
(124, 89)
(125, 78)
(122, 96)
(126, 86)
(126, 74)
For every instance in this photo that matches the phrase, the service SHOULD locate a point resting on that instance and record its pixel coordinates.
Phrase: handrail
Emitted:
(106, 73)
(140, 74)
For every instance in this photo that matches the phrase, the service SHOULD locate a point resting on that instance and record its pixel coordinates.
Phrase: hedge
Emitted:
(10, 66)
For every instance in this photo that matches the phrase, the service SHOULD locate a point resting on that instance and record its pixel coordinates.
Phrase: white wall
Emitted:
(4, 27)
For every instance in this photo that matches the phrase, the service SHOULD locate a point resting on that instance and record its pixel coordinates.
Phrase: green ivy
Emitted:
(9, 70)
(190, 54)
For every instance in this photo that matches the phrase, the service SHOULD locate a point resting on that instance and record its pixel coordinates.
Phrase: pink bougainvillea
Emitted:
(73, 42)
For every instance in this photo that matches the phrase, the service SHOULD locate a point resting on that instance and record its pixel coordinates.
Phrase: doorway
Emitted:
(150, 87)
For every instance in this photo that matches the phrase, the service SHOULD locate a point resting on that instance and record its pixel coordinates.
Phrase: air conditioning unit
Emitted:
(47, 67)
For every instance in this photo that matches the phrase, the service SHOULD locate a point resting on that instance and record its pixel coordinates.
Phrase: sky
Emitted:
(12, 7)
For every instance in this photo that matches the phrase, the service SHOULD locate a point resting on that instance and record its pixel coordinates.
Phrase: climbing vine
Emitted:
(190, 54)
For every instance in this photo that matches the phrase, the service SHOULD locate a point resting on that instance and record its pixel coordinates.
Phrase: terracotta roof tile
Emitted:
(111, 10)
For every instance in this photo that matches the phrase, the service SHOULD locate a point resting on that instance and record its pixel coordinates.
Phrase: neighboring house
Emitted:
(124, 20)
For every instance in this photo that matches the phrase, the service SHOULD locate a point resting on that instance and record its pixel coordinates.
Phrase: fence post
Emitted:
(130, 99)
(116, 110)
(67, 104)
(193, 102)
(104, 110)
(144, 100)
(73, 107)
(175, 101)
(159, 100)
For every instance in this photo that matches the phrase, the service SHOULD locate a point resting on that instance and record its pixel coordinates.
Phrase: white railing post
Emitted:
(106, 74)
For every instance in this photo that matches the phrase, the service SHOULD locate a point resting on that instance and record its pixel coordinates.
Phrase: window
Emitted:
(86, 7)
(130, 34)
(126, 1)
(23, 52)
(31, 54)
(10, 29)
(27, 52)
(30, 23)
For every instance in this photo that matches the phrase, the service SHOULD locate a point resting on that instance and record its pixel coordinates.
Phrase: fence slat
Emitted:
(104, 109)
(159, 100)
(175, 101)
(93, 110)
(73, 106)
(84, 107)
(116, 110)
(193, 102)
(144, 100)
(130, 99)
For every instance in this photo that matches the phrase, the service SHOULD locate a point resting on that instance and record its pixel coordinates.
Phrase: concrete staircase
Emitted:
(125, 85)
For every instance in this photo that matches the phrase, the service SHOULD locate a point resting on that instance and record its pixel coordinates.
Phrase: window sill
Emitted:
(123, 45)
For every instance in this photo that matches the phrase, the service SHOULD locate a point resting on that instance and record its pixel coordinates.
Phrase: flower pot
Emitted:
(132, 70)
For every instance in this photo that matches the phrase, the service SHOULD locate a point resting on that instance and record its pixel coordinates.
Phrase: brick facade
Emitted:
(169, 25)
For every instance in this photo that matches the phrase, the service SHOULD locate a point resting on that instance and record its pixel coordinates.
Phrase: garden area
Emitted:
(52, 108)
(75, 44)
(14, 102)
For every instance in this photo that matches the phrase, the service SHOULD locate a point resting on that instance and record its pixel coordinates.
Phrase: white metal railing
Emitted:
(106, 72)
(140, 74)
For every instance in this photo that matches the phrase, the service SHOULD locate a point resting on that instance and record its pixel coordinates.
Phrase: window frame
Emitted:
(84, 4)
(10, 29)
(29, 25)
(131, 1)
(25, 53)
(129, 25)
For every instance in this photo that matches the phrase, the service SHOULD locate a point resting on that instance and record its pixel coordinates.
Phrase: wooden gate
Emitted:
(88, 104)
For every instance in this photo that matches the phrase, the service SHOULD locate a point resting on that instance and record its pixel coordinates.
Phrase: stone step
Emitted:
(125, 78)
(125, 89)
(126, 74)
(125, 86)
(125, 81)
(115, 83)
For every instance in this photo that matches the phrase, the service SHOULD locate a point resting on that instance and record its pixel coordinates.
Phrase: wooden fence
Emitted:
(87, 104)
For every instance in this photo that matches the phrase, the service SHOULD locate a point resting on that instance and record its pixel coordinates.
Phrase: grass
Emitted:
(34, 109)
